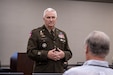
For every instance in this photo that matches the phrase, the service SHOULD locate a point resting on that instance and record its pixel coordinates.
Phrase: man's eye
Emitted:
(53, 17)
(48, 17)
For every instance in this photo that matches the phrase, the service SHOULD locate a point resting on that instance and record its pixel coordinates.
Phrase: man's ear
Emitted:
(87, 49)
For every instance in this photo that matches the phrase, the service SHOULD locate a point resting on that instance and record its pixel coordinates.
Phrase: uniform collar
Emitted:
(96, 63)
(49, 29)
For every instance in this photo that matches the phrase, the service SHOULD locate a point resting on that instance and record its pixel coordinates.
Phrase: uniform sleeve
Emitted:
(67, 51)
(32, 48)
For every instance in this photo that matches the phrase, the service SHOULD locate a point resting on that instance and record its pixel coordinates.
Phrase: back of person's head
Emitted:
(98, 43)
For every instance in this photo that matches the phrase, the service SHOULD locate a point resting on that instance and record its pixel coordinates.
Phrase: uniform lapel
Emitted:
(56, 34)
(47, 33)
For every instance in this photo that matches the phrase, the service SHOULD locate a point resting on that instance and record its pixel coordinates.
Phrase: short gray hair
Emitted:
(98, 43)
(49, 9)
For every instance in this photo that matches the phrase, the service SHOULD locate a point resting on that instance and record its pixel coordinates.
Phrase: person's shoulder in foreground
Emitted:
(86, 69)
(97, 46)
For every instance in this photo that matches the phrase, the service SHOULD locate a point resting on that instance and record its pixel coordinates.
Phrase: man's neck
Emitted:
(96, 58)
(50, 28)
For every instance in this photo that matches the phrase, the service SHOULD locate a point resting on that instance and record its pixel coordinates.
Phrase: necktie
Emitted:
(52, 34)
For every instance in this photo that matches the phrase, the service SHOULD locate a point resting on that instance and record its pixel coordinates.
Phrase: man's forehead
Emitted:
(50, 14)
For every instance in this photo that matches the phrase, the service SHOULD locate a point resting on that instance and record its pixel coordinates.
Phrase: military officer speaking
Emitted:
(48, 45)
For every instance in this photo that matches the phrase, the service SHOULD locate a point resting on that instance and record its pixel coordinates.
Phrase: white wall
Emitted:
(76, 18)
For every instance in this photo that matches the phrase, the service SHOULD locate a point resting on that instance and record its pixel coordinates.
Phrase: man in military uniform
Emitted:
(48, 45)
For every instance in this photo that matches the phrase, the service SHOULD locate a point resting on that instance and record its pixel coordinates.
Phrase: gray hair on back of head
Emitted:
(98, 43)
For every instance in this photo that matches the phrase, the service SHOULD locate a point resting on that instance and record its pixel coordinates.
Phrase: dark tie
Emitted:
(52, 34)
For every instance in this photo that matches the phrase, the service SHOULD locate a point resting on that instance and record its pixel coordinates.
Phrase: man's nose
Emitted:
(51, 19)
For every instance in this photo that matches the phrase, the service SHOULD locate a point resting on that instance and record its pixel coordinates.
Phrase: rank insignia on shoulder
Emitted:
(30, 34)
(42, 34)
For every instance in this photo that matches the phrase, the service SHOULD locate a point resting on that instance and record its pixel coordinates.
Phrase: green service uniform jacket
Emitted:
(40, 42)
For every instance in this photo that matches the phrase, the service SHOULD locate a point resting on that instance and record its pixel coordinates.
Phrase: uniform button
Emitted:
(39, 53)
(54, 46)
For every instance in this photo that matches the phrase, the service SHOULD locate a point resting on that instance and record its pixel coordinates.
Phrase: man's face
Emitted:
(50, 19)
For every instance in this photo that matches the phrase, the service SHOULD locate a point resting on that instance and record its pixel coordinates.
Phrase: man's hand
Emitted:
(60, 53)
(56, 55)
